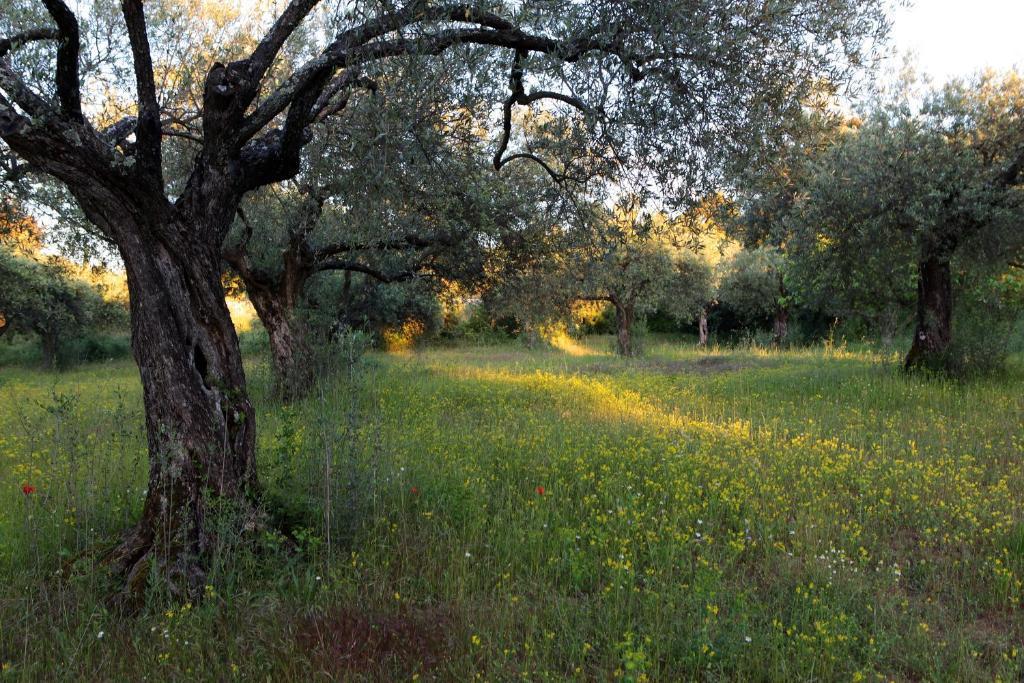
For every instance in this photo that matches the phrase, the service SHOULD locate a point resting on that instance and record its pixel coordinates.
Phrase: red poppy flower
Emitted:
(414, 491)
(28, 489)
(540, 490)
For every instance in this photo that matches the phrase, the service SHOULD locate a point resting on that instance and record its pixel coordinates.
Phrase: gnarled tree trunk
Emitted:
(276, 299)
(289, 351)
(200, 425)
(702, 328)
(934, 328)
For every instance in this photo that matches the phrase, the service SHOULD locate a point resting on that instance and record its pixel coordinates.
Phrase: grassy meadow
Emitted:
(496, 513)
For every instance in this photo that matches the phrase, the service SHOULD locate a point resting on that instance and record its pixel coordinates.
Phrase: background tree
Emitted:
(753, 284)
(44, 299)
(622, 257)
(657, 84)
(400, 192)
(935, 190)
(631, 265)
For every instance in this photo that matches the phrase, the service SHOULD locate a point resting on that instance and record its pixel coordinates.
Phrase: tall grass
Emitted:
(546, 515)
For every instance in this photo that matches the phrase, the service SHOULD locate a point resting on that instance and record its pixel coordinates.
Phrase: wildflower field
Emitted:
(499, 514)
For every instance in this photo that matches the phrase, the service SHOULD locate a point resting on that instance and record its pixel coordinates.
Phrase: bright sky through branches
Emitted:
(952, 38)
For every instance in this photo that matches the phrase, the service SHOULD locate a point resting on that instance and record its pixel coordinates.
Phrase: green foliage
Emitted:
(43, 299)
(752, 284)
(988, 314)
(352, 301)
(624, 257)
(860, 204)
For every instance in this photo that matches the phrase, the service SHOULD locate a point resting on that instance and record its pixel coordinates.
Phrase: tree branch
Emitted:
(263, 56)
(361, 45)
(519, 96)
(354, 267)
(67, 59)
(22, 95)
(19, 39)
(148, 129)
(411, 240)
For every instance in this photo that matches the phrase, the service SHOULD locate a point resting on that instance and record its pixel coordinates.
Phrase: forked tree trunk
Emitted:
(289, 350)
(933, 332)
(702, 328)
(199, 423)
(625, 318)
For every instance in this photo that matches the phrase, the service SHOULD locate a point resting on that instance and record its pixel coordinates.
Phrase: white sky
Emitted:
(953, 38)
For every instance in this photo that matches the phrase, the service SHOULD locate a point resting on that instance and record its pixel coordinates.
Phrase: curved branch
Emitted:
(519, 96)
(555, 175)
(22, 95)
(67, 59)
(118, 132)
(19, 39)
(263, 56)
(355, 267)
(363, 44)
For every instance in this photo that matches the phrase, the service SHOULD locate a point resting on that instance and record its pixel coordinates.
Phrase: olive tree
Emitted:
(753, 284)
(659, 86)
(631, 264)
(44, 299)
(933, 191)
(399, 193)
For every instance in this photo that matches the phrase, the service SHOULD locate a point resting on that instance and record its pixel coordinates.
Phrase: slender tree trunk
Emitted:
(702, 328)
(888, 325)
(49, 342)
(780, 326)
(625, 317)
(934, 329)
(293, 368)
(199, 422)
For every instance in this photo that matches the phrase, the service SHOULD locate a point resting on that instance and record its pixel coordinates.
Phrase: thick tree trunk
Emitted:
(293, 368)
(199, 422)
(934, 329)
(780, 326)
(625, 317)
(702, 328)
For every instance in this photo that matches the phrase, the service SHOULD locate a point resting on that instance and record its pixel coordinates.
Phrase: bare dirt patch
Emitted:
(345, 642)
(707, 365)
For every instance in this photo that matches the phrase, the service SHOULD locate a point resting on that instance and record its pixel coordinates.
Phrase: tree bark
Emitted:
(780, 326)
(49, 341)
(276, 299)
(200, 425)
(934, 327)
(625, 318)
(289, 350)
(702, 328)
